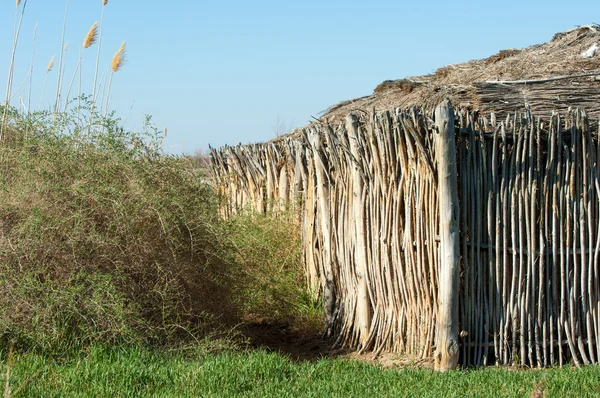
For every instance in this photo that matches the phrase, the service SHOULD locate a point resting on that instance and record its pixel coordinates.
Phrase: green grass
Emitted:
(137, 372)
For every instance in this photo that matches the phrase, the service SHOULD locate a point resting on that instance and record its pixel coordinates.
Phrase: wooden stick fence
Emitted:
(530, 244)
(368, 197)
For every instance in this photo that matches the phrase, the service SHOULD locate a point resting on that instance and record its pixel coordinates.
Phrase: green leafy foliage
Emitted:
(105, 239)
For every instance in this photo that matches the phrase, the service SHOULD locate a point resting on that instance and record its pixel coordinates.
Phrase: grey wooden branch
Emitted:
(550, 79)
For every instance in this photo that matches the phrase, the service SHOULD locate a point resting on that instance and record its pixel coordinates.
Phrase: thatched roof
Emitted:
(542, 78)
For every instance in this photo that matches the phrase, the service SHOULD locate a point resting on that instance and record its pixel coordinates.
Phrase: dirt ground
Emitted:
(303, 346)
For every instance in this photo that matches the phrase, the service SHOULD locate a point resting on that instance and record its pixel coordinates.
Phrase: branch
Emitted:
(550, 79)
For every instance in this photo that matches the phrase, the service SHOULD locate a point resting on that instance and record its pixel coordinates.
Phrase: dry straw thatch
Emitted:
(476, 85)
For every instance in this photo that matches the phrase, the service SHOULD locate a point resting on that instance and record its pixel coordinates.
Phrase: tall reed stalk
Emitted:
(31, 68)
(104, 2)
(48, 69)
(102, 85)
(90, 39)
(12, 65)
(116, 64)
(63, 49)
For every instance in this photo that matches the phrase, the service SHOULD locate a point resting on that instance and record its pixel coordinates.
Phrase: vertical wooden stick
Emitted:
(446, 357)
(363, 302)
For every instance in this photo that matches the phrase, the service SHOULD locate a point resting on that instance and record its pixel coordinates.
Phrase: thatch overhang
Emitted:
(555, 76)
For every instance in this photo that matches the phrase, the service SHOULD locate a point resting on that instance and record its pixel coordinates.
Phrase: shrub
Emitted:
(103, 239)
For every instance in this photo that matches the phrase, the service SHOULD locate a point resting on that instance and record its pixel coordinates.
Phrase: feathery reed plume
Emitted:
(165, 132)
(116, 64)
(18, 2)
(91, 36)
(48, 69)
(118, 58)
(104, 2)
(50, 64)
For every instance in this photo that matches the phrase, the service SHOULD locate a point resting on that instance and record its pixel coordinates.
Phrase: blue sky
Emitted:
(223, 72)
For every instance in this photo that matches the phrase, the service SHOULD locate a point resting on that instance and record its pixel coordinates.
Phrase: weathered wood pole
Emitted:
(363, 300)
(324, 212)
(446, 355)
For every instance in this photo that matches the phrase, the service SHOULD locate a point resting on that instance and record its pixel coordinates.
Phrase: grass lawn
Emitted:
(137, 372)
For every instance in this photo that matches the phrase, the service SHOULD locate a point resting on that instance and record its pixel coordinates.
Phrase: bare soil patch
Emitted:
(281, 337)
(301, 345)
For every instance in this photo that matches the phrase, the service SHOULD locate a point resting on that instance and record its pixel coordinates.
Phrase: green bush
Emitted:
(103, 239)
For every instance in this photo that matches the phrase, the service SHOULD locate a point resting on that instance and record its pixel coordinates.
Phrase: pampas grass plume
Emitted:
(18, 2)
(119, 58)
(91, 36)
(104, 2)
(50, 65)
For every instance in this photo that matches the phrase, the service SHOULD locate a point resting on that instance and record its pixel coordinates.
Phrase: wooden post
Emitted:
(363, 301)
(446, 355)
